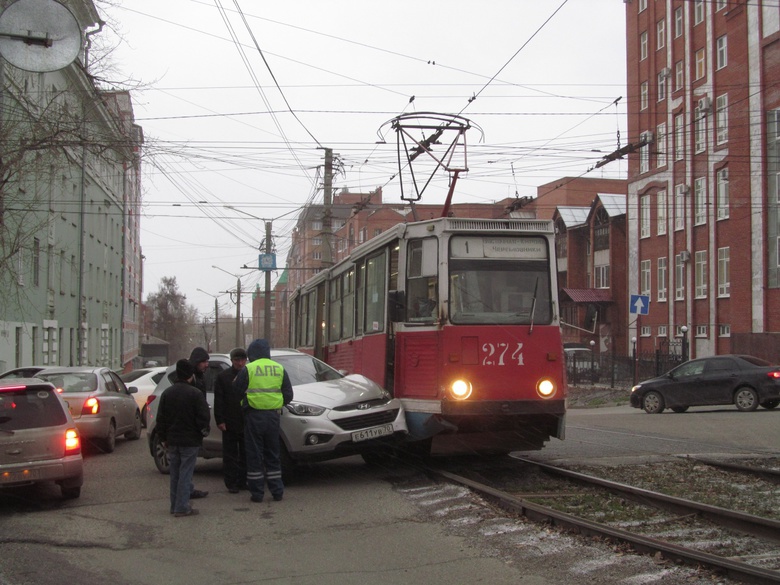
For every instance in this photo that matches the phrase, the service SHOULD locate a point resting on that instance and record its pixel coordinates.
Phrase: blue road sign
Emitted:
(639, 304)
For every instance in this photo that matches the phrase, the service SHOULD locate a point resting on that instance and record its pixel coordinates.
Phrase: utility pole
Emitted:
(267, 304)
(327, 257)
(239, 342)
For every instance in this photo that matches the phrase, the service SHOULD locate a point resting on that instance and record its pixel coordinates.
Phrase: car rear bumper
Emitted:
(69, 470)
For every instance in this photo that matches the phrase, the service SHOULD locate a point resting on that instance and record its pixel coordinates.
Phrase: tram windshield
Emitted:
(499, 281)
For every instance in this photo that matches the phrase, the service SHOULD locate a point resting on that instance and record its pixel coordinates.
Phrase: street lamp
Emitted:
(592, 362)
(216, 318)
(238, 304)
(684, 331)
(633, 343)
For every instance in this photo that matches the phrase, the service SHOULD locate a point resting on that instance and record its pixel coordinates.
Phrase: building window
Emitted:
(722, 118)
(662, 331)
(601, 276)
(644, 331)
(724, 272)
(699, 201)
(700, 274)
(724, 330)
(644, 216)
(644, 277)
(36, 262)
(661, 90)
(679, 75)
(700, 130)
(678, 22)
(316, 255)
(643, 46)
(316, 241)
(662, 277)
(642, 5)
(644, 154)
(660, 145)
(660, 34)
(679, 137)
(721, 53)
(316, 225)
(698, 12)
(679, 206)
(701, 331)
(644, 92)
(701, 64)
(679, 278)
(722, 177)
(660, 203)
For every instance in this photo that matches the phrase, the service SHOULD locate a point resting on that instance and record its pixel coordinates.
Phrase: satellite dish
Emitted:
(39, 35)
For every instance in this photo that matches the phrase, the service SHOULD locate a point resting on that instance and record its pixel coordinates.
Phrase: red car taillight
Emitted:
(775, 375)
(72, 442)
(91, 406)
(150, 399)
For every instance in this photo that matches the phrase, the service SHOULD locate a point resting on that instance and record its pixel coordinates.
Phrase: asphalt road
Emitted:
(341, 522)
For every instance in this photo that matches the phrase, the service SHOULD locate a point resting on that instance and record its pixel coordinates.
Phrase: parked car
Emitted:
(145, 380)
(39, 441)
(23, 372)
(742, 380)
(581, 364)
(100, 403)
(332, 415)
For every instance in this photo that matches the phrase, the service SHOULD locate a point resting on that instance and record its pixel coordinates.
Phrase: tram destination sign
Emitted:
(520, 248)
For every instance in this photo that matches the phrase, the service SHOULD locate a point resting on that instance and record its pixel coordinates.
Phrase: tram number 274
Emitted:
(497, 354)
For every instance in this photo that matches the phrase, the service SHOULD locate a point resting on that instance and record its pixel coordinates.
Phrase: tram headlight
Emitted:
(545, 388)
(460, 389)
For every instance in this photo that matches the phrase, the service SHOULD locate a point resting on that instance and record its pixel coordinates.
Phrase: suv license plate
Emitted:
(372, 433)
(20, 476)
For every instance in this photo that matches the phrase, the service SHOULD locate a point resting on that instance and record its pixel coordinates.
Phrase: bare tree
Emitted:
(173, 319)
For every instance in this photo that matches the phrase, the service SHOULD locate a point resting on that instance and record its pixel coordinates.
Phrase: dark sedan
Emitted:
(742, 380)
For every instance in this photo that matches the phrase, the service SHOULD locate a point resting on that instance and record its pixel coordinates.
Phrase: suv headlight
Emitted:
(301, 409)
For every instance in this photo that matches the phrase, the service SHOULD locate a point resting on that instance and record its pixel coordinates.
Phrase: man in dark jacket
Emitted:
(182, 422)
(230, 420)
(199, 359)
(266, 388)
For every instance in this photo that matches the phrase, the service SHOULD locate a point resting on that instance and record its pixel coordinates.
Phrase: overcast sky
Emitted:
(241, 98)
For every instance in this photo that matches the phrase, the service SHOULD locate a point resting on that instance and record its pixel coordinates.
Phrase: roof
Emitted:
(614, 205)
(573, 216)
(589, 295)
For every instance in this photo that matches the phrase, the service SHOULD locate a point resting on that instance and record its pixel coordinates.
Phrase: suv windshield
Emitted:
(28, 407)
(304, 369)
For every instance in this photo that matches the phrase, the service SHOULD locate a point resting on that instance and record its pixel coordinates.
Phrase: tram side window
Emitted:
(334, 331)
(375, 293)
(360, 294)
(311, 317)
(422, 281)
(348, 304)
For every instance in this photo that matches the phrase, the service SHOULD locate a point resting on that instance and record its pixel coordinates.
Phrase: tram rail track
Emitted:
(737, 524)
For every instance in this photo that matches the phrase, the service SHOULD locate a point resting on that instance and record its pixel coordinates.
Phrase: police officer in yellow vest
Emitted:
(266, 388)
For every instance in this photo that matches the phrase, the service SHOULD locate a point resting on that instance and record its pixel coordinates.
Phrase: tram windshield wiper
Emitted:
(533, 305)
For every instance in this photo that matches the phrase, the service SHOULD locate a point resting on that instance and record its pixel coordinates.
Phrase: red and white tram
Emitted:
(456, 317)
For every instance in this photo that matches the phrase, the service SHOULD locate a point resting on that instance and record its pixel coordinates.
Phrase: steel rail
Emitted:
(767, 474)
(734, 569)
(742, 521)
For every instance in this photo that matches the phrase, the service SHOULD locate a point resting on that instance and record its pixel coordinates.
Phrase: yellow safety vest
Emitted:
(265, 384)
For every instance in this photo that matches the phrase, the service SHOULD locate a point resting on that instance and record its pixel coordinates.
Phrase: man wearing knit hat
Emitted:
(182, 422)
(229, 417)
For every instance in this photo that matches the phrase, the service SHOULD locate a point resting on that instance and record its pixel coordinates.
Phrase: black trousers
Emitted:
(233, 459)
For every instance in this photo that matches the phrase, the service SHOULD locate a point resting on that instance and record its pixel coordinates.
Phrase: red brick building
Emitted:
(704, 113)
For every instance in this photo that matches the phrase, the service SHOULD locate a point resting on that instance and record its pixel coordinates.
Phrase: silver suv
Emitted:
(39, 441)
(331, 415)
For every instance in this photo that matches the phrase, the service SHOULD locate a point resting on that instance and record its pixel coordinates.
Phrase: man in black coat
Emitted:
(182, 422)
(229, 417)
(199, 359)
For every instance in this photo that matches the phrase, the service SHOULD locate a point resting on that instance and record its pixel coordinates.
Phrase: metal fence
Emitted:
(623, 371)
